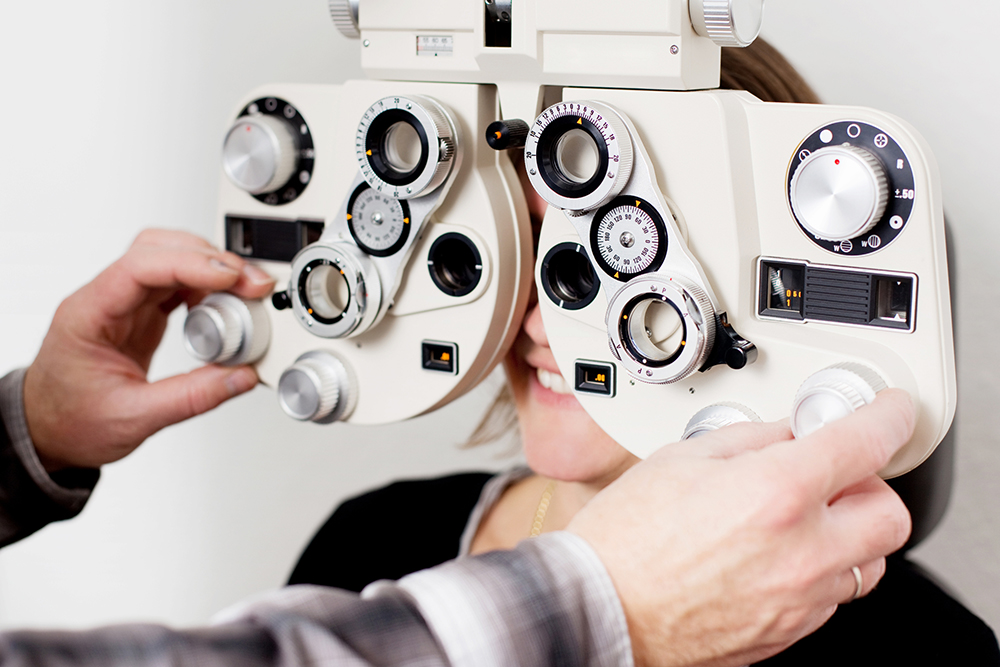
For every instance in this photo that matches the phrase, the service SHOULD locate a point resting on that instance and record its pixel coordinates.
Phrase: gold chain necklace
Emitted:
(543, 507)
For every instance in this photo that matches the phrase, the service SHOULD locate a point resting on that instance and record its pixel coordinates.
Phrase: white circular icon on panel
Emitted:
(896, 222)
(846, 246)
(826, 136)
(874, 241)
(854, 131)
(881, 140)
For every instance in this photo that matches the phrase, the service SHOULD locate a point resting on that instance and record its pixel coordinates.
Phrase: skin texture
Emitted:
(86, 397)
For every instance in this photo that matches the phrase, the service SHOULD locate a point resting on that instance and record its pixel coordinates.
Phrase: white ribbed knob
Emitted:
(833, 393)
(839, 192)
(317, 387)
(728, 22)
(260, 153)
(345, 16)
(717, 416)
(224, 329)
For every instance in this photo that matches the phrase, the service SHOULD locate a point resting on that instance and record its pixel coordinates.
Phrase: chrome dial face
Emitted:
(379, 223)
(628, 238)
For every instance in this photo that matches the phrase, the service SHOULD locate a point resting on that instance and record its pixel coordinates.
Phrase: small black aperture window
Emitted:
(893, 302)
(781, 289)
(592, 377)
(498, 17)
(455, 264)
(439, 356)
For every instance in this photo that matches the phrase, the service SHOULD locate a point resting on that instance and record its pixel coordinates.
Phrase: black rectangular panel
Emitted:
(270, 238)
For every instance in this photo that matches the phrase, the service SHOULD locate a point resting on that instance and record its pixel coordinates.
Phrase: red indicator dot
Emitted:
(836, 161)
(248, 129)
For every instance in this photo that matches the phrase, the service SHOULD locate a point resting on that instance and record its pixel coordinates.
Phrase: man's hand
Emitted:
(749, 536)
(86, 398)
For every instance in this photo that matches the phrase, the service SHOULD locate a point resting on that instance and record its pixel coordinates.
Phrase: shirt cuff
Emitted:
(79, 482)
(549, 601)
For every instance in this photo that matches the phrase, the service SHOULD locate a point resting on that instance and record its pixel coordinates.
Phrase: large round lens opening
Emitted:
(401, 147)
(455, 264)
(327, 291)
(568, 277)
(577, 156)
(656, 330)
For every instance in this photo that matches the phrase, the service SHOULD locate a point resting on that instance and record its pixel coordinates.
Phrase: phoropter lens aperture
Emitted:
(568, 277)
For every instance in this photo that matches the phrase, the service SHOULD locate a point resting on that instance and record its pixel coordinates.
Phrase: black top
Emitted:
(410, 526)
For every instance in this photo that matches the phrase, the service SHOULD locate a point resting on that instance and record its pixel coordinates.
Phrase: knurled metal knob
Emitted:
(839, 192)
(833, 393)
(345, 16)
(227, 330)
(260, 153)
(728, 22)
(317, 387)
(717, 416)
(504, 134)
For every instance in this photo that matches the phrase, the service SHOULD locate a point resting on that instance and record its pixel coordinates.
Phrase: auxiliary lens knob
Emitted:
(318, 387)
(224, 329)
(833, 393)
(260, 153)
(345, 16)
(717, 416)
(728, 22)
(839, 192)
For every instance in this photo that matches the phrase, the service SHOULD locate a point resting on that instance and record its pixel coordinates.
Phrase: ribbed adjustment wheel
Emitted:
(728, 22)
(317, 387)
(224, 329)
(345, 16)
(717, 416)
(833, 393)
(839, 192)
(260, 154)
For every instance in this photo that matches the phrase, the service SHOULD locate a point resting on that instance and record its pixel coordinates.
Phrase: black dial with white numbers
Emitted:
(379, 223)
(628, 238)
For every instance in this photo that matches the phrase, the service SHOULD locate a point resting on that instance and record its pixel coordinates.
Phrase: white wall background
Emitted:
(113, 112)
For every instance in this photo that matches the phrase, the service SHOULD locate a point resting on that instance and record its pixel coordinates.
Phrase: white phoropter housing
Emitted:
(400, 246)
(814, 235)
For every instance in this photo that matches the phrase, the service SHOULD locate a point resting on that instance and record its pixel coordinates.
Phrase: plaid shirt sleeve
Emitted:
(30, 498)
(548, 602)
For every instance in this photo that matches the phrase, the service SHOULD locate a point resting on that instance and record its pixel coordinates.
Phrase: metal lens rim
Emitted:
(375, 144)
(548, 166)
(626, 323)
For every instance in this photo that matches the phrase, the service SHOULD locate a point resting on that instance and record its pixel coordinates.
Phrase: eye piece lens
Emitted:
(455, 264)
(327, 291)
(570, 276)
(577, 157)
(401, 147)
(655, 330)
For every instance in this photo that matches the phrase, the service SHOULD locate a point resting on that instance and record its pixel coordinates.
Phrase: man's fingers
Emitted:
(868, 521)
(126, 284)
(845, 452)
(847, 589)
(736, 439)
(171, 238)
(184, 396)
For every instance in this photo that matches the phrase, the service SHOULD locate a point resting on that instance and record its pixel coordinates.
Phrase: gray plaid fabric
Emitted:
(548, 602)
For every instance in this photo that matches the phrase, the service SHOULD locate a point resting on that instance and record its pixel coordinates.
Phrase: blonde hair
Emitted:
(759, 69)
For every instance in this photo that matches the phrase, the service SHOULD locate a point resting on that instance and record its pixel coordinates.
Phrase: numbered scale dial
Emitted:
(578, 155)
(628, 238)
(379, 223)
(851, 176)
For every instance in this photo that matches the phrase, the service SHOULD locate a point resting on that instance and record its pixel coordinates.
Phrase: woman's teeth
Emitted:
(553, 382)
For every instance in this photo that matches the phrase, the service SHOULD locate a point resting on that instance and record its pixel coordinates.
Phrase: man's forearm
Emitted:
(30, 498)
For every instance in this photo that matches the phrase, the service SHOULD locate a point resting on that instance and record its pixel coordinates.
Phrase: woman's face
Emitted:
(560, 439)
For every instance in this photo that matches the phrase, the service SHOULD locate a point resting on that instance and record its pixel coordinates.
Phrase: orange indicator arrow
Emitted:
(579, 121)
(368, 153)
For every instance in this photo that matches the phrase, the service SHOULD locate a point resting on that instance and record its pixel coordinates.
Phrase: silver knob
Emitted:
(345, 16)
(833, 393)
(227, 330)
(318, 387)
(260, 153)
(839, 192)
(728, 22)
(717, 416)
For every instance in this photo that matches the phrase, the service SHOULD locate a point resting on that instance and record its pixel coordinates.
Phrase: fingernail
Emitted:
(255, 275)
(241, 380)
(220, 266)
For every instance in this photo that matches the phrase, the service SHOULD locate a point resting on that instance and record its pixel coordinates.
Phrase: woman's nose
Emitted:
(533, 326)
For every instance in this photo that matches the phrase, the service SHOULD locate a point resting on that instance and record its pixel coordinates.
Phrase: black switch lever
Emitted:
(505, 134)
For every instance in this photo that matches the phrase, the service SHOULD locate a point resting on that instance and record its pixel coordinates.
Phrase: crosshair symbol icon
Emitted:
(881, 141)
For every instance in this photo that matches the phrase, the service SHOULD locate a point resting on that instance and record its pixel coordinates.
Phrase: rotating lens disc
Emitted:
(406, 146)
(578, 155)
(380, 224)
(629, 238)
